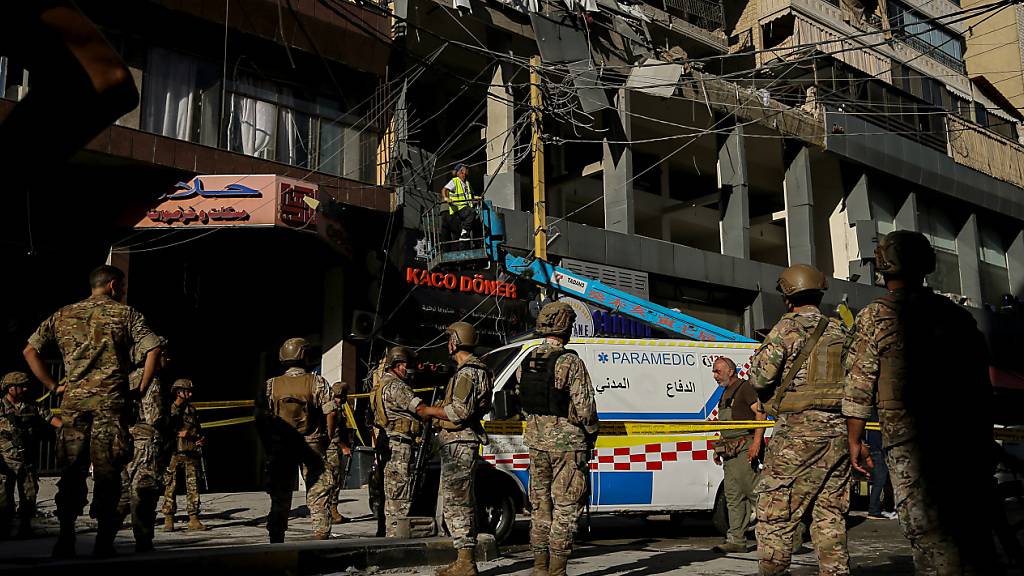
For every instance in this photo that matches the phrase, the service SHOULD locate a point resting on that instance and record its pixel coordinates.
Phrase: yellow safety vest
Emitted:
(460, 197)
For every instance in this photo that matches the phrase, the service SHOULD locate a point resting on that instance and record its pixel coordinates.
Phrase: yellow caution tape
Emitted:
(515, 427)
(217, 405)
(367, 394)
(228, 422)
(351, 418)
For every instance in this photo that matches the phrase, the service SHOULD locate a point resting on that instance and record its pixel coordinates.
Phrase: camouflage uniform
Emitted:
(467, 399)
(336, 459)
(143, 479)
(807, 467)
(21, 425)
(399, 403)
(95, 337)
(184, 418)
(902, 337)
(287, 450)
(560, 451)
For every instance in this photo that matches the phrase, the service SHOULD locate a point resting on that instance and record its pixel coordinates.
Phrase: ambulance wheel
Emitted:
(720, 513)
(497, 515)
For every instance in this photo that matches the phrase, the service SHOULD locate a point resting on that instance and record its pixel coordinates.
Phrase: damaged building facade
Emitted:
(705, 145)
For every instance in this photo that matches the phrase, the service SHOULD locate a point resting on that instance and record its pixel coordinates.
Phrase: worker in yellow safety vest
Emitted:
(461, 220)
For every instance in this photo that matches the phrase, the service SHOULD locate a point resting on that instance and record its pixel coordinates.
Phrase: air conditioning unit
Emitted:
(363, 324)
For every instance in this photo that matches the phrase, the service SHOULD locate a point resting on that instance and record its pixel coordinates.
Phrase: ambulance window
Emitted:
(498, 359)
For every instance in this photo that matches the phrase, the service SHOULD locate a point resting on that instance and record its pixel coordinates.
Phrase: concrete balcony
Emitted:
(985, 151)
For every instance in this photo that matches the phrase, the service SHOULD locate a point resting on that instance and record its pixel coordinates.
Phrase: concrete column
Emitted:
(666, 192)
(734, 186)
(619, 210)
(1015, 264)
(967, 256)
(501, 181)
(334, 326)
(863, 230)
(798, 197)
(906, 218)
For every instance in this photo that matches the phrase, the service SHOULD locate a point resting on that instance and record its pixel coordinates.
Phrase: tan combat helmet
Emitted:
(181, 384)
(398, 354)
(555, 319)
(904, 253)
(14, 379)
(463, 335)
(339, 390)
(293, 351)
(800, 278)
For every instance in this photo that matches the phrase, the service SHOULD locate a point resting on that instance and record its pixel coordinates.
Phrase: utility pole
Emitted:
(540, 230)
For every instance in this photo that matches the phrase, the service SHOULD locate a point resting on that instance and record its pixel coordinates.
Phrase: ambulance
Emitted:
(645, 467)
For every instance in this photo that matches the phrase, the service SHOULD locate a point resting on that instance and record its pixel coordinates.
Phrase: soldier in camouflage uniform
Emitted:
(913, 353)
(189, 440)
(557, 399)
(338, 450)
(807, 468)
(466, 400)
(295, 416)
(22, 423)
(95, 337)
(394, 409)
(143, 480)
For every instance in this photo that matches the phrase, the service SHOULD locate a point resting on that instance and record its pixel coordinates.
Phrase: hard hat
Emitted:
(182, 384)
(463, 334)
(293, 350)
(555, 319)
(14, 379)
(801, 278)
(905, 252)
(399, 354)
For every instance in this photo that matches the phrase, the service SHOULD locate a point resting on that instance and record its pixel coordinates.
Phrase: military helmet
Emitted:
(293, 350)
(399, 354)
(463, 334)
(801, 278)
(905, 252)
(555, 319)
(14, 379)
(182, 384)
(339, 390)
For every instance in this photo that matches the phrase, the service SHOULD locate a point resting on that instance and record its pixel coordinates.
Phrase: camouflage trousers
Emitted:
(142, 484)
(190, 464)
(938, 548)
(558, 494)
(16, 477)
(283, 463)
(99, 437)
(458, 470)
(804, 474)
(336, 469)
(397, 485)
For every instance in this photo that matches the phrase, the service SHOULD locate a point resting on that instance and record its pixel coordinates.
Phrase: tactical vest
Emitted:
(291, 399)
(725, 414)
(537, 393)
(382, 420)
(892, 368)
(483, 407)
(823, 388)
(460, 197)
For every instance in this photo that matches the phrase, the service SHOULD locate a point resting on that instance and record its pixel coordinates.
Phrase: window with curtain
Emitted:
(180, 96)
(995, 275)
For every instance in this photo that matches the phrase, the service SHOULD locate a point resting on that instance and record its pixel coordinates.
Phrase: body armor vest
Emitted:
(725, 414)
(381, 419)
(537, 392)
(892, 370)
(479, 411)
(291, 399)
(823, 388)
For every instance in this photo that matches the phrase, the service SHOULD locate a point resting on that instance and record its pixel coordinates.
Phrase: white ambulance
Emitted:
(645, 469)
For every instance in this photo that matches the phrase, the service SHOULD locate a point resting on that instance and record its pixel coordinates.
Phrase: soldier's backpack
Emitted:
(823, 388)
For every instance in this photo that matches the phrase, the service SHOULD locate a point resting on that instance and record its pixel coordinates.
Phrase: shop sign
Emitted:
(476, 284)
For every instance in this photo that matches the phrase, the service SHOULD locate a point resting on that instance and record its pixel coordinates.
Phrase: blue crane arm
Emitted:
(594, 292)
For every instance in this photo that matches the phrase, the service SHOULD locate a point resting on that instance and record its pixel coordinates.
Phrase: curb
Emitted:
(293, 558)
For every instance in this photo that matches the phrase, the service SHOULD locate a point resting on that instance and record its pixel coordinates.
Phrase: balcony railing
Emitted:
(930, 51)
(985, 151)
(706, 14)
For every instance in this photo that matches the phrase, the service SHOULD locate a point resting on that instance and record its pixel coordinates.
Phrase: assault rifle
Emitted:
(419, 469)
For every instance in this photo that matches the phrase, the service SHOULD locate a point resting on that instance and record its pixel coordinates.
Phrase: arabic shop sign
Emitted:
(475, 284)
(236, 200)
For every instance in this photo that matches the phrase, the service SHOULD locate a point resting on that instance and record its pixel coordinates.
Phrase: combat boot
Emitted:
(106, 531)
(540, 564)
(337, 517)
(25, 528)
(321, 536)
(557, 565)
(276, 537)
(65, 546)
(465, 565)
(194, 524)
(168, 522)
